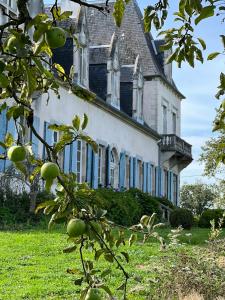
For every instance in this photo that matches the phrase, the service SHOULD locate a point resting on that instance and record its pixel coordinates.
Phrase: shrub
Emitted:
(208, 215)
(181, 217)
(127, 207)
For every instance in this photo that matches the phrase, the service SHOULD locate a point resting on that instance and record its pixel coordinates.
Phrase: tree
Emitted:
(26, 71)
(197, 197)
(213, 156)
(185, 45)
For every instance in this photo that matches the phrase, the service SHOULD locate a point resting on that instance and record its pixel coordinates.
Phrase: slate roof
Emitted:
(132, 39)
(98, 55)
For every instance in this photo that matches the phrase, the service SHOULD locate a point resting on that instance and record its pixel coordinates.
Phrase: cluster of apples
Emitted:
(49, 170)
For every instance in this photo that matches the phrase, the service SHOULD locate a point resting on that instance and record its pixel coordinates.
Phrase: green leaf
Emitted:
(8, 139)
(60, 70)
(119, 8)
(98, 253)
(106, 289)
(213, 55)
(45, 204)
(76, 122)
(85, 122)
(126, 255)
(69, 249)
(202, 42)
(132, 239)
(4, 82)
(21, 167)
(206, 12)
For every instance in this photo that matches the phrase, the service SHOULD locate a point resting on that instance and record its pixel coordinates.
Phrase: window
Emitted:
(79, 161)
(164, 119)
(174, 121)
(114, 169)
(127, 176)
(101, 166)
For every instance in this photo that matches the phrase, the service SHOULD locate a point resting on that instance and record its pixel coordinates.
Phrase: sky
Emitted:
(199, 85)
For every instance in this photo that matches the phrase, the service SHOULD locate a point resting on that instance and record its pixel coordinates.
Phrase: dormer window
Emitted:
(138, 83)
(113, 78)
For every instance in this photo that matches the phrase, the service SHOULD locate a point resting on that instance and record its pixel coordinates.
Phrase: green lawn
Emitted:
(34, 267)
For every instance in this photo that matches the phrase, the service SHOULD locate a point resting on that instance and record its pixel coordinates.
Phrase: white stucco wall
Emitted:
(103, 125)
(157, 94)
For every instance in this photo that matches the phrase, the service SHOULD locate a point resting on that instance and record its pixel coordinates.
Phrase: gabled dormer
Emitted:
(138, 84)
(113, 74)
(74, 53)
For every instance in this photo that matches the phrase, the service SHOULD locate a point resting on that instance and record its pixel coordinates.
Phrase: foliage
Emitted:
(213, 156)
(165, 202)
(197, 197)
(211, 214)
(181, 217)
(126, 208)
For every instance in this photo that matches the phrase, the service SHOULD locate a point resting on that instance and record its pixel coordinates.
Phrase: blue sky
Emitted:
(199, 87)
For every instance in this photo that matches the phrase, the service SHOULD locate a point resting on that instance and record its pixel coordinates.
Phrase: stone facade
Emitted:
(135, 117)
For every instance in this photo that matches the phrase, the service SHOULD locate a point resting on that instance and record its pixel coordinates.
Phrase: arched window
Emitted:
(114, 169)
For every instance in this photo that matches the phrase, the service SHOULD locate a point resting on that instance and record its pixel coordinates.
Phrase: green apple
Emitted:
(56, 37)
(49, 171)
(16, 153)
(76, 227)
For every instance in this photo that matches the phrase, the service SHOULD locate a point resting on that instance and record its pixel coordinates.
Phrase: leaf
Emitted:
(119, 8)
(121, 287)
(8, 139)
(106, 289)
(4, 82)
(3, 145)
(85, 122)
(202, 42)
(213, 55)
(98, 253)
(126, 255)
(105, 273)
(45, 204)
(76, 122)
(69, 249)
(21, 167)
(144, 220)
(60, 70)
(206, 12)
(223, 40)
(79, 281)
(132, 239)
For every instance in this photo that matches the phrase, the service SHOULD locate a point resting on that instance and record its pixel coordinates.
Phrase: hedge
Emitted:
(208, 215)
(181, 217)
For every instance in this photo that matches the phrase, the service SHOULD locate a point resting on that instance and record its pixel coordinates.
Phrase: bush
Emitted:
(165, 202)
(125, 208)
(181, 217)
(208, 215)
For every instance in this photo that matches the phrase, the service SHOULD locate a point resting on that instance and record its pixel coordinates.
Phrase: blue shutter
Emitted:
(172, 191)
(2, 137)
(11, 128)
(89, 164)
(149, 179)
(95, 171)
(131, 172)
(73, 157)
(135, 172)
(47, 137)
(162, 182)
(67, 159)
(34, 139)
(122, 170)
(157, 181)
(108, 153)
(144, 177)
(169, 185)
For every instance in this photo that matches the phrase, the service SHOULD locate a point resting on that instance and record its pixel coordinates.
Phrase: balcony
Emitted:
(175, 150)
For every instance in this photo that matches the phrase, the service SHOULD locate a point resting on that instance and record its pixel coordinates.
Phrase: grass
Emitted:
(33, 265)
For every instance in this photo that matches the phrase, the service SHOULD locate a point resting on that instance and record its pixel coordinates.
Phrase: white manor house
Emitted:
(136, 116)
